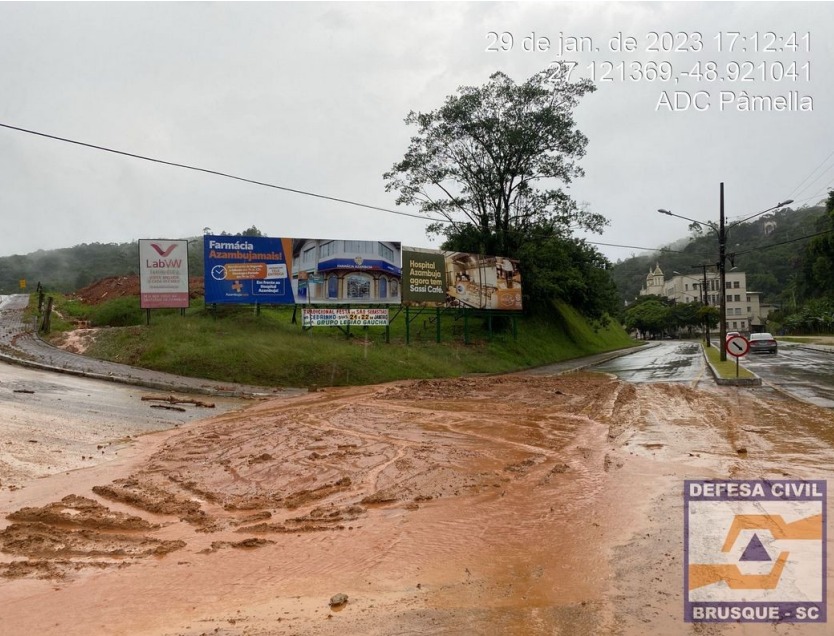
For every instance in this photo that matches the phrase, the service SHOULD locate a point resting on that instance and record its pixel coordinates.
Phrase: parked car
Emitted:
(762, 343)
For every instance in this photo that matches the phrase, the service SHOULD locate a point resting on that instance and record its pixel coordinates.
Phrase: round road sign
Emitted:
(737, 346)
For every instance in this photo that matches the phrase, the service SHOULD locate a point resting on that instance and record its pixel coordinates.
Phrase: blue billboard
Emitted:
(248, 270)
(276, 271)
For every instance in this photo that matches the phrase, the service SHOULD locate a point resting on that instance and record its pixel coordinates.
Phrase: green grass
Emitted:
(265, 348)
(726, 369)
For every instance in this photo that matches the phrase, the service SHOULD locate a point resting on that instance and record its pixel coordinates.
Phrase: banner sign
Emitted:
(342, 317)
(309, 271)
(424, 277)
(461, 279)
(248, 269)
(163, 274)
(334, 272)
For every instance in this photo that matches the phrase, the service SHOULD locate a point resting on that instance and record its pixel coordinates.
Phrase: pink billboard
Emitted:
(163, 273)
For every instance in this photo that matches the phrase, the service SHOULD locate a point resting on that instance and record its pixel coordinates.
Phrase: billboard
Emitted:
(461, 279)
(424, 277)
(163, 274)
(248, 269)
(335, 271)
(305, 271)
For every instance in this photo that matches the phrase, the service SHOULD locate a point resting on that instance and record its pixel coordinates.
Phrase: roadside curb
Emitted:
(132, 376)
(584, 362)
(754, 381)
(604, 357)
(132, 381)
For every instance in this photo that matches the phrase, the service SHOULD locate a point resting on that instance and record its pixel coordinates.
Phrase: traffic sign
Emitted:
(737, 346)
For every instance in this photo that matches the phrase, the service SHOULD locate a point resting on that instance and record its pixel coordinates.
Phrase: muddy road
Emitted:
(501, 505)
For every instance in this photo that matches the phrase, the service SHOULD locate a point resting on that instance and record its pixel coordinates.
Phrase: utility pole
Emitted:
(721, 272)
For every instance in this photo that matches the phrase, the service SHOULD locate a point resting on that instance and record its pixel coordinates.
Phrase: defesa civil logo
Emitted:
(754, 551)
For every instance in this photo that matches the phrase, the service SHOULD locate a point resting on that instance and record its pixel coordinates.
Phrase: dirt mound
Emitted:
(121, 286)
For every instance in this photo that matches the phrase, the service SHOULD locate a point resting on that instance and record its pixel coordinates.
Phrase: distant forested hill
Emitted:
(769, 249)
(67, 269)
(70, 268)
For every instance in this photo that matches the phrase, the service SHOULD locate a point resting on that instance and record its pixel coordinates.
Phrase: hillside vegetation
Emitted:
(769, 249)
(266, 348)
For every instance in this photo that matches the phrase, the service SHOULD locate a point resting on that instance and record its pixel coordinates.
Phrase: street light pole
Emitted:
(720, 229)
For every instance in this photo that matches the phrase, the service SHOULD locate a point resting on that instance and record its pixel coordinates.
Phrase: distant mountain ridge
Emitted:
(769, 249)
(68, 269)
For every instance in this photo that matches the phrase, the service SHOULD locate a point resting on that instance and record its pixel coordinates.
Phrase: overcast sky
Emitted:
(312, 96)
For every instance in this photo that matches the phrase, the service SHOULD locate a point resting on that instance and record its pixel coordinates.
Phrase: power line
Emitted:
(811, 174)
(222, 174)
(637, 247)
(765, 247)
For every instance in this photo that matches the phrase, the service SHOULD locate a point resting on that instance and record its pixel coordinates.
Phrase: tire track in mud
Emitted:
(526, 505)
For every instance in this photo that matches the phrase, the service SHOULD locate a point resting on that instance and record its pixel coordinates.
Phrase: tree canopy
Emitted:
(819, 258)
(489, 168)
(488, 163)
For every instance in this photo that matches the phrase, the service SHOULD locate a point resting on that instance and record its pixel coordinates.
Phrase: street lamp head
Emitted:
(785, 203)
(666, 212)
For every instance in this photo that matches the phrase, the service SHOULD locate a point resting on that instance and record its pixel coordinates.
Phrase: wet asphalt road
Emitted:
(802, 372)
(664, 361)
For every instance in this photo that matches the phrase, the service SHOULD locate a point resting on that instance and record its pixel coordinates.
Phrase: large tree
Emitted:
(491, 162)
(819, 256)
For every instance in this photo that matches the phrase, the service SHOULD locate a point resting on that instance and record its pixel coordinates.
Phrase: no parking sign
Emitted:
(737, 346)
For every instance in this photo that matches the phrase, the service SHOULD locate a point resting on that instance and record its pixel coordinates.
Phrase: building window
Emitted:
(383, 287)
(329, 248)
(395, 288)
(736, 284)
(359, 247)
(358, 287)
(737, 298)
(734, 325)
(738, 311)
(727, 284)
(729, 298)
(308, 256)
(333, 286)
(386, 252)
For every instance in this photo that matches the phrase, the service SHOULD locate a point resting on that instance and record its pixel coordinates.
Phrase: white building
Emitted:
(744, 311)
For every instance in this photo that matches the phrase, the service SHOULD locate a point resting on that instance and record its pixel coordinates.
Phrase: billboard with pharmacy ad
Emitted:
(248, 270)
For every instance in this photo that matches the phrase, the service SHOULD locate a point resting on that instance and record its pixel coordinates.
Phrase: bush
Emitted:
(119, 312)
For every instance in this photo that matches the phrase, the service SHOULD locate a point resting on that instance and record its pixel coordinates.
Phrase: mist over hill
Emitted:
(70, 268)
(769, 249)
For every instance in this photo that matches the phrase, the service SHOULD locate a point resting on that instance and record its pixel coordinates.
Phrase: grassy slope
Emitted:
(266, 349)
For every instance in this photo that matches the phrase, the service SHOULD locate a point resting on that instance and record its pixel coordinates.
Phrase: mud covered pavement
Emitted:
(501, 505)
